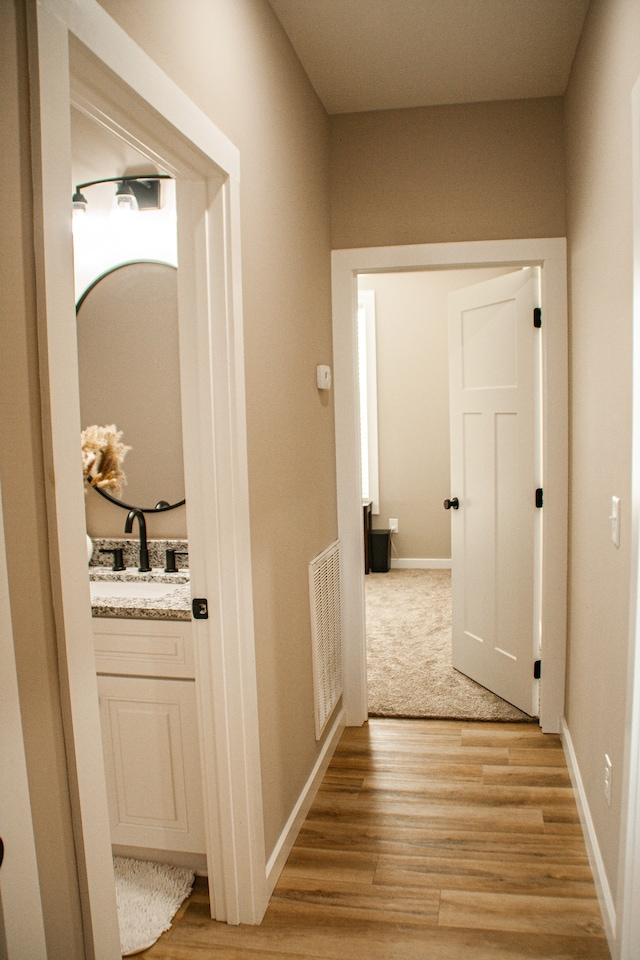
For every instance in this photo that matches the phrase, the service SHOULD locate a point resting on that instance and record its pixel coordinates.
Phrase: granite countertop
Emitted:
(174, 604)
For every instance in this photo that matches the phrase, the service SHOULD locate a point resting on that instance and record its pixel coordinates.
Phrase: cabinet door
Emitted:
(152, 763)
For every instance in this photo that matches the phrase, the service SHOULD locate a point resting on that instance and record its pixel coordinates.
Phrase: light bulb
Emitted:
(78, 203)
(124, 200)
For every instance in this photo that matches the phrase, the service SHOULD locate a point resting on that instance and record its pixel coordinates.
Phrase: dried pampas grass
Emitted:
(102, 456)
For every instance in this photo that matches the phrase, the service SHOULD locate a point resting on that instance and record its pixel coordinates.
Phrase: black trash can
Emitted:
(380, 550)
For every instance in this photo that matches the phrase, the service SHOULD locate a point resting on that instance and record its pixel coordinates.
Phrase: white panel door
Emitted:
(494, 475)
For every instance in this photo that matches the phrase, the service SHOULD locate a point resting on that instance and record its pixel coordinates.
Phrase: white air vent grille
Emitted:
(326, 633)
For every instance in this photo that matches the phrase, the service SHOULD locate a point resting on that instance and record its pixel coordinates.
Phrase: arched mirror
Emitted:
(129, 372)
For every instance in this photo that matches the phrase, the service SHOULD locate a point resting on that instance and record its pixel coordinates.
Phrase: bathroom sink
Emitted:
(140, 589)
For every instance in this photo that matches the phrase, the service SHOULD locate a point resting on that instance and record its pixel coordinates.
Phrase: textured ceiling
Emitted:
(384, 54)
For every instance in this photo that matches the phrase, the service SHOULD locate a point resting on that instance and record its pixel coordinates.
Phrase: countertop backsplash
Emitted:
(131, 552)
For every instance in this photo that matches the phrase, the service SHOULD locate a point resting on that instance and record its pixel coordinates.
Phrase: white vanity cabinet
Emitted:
(146, 689)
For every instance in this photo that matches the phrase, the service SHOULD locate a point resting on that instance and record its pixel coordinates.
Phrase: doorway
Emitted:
(86, 60)
(409, 609)
(347, 265)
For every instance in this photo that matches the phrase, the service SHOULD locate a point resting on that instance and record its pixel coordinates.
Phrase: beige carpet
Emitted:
(409, 672)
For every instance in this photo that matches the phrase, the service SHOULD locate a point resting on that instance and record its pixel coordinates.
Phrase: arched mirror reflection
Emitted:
(129, 373)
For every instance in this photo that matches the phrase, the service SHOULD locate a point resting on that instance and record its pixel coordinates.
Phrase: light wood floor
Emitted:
(428, 840)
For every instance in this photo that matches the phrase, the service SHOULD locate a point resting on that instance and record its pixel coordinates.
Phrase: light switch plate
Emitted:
(323, 377)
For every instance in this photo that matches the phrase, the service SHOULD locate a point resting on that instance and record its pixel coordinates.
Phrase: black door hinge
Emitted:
(539, 497)
(200, 609)
(537, 669)
(537, 317)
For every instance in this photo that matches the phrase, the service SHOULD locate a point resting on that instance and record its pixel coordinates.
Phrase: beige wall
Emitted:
(478, 171)
(22, 470)
(234, 60)
(598, 130)
(413, 405)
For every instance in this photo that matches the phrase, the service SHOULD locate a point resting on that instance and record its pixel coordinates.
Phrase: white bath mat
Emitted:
(148, 896)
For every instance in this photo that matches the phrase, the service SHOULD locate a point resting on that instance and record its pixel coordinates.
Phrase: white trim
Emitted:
(629, 873)
(550, 254)
(216, 484)
(291, 829)
(603, 889)
(21, 920)
(213, 407)
(421, 563)
(367, 301)
(51, 153)
(87, 21)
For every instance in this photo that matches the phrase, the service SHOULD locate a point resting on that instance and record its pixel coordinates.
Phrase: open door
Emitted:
(494, 478)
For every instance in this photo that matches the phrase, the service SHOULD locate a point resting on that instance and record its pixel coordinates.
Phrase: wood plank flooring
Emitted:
(428, 840)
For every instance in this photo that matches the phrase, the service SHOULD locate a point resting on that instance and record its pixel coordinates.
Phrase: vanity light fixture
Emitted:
(125, 198)
(79, 203)
(132, 193)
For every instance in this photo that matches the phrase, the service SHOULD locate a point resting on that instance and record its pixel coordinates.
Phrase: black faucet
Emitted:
(170, 559)
(118, 562)
(142, 526)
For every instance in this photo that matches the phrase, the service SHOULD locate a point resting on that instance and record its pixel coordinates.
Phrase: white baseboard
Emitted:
(605, 898)
(421, 563)
(288, 836)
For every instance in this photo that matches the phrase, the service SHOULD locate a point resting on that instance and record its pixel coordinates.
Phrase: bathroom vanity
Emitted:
(146, 684)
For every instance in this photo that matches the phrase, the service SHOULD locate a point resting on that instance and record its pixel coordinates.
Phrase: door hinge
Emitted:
(537, 669)
(539, 497)
(200, 609)
(537, 316)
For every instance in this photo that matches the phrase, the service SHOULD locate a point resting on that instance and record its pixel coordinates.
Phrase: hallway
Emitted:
(428, 840)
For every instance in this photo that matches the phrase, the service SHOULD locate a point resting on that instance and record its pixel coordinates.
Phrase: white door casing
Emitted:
(628, 934)
(550, 255)
(77, 45)
(492, 386)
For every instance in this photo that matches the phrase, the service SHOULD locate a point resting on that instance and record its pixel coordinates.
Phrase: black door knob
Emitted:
(452, 504)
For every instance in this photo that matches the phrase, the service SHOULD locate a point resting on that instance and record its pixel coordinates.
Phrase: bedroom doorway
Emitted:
(348, 265)
(404, 361)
